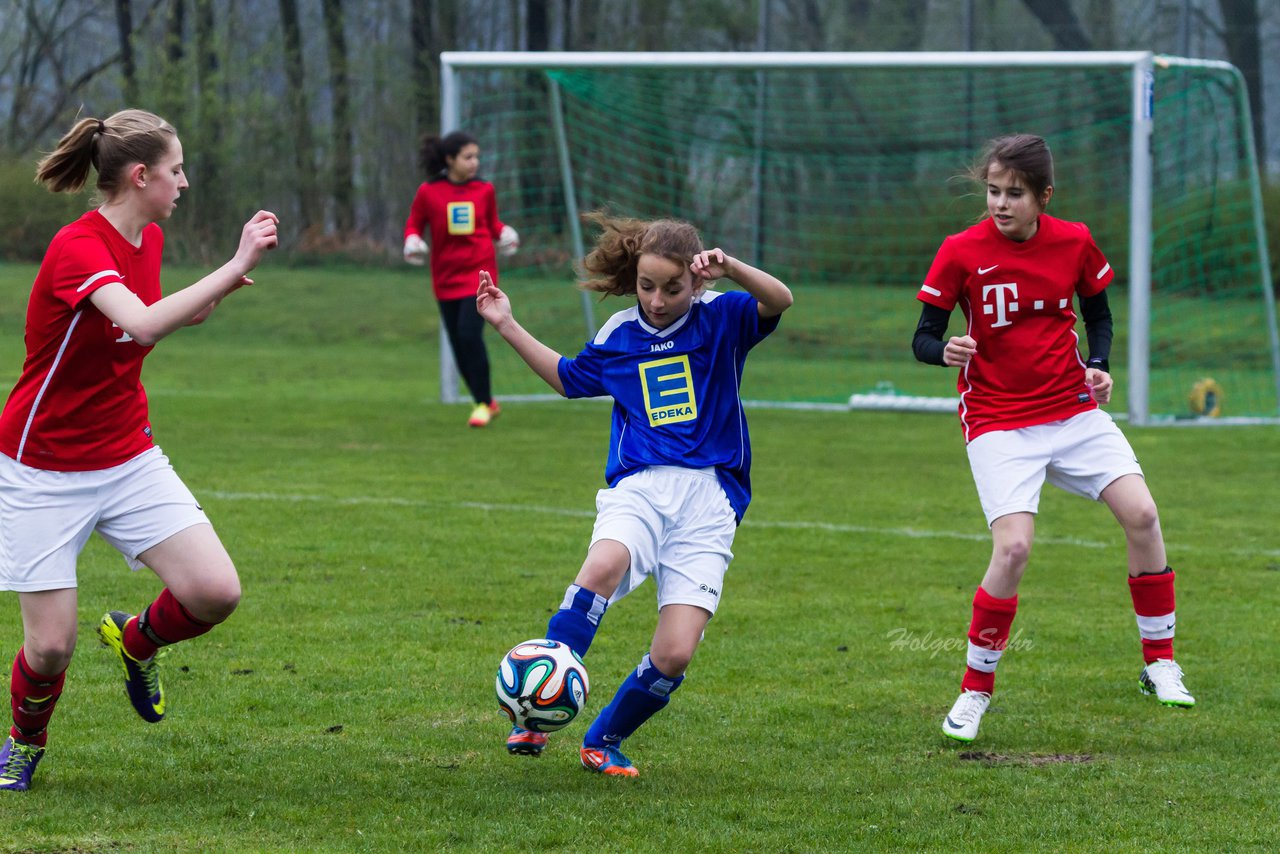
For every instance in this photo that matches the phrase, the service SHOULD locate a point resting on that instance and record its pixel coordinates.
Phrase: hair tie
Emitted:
(102, 127)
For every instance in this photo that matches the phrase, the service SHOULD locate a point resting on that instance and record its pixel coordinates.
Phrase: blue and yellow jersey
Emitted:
(676, 390)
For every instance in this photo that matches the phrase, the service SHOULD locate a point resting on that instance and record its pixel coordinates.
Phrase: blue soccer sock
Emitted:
(579, 616)
(644, 693)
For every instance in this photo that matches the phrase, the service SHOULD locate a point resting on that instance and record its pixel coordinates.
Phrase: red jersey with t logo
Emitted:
(1017, 299)
(460, 222)
(79, 404)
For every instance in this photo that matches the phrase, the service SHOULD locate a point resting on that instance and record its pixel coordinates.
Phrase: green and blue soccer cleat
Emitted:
(18, 762)
(141, 678)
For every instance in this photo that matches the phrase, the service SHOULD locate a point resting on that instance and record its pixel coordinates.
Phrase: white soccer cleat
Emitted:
(508, 242)
(1164, 679)
(416, 250)
(962, 721)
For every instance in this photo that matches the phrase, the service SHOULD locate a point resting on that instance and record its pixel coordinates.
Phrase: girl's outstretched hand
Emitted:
(491, 302)
(712, 264)
(259, 235)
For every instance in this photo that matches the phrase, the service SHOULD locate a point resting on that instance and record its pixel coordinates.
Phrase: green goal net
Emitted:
(842, 173)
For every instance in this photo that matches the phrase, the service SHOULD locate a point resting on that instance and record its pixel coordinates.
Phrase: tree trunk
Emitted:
(580, 24)
(343, 169)
(538, 25)
(173, 96)
(1243, 39)
(207, 190)
(128, 67)
(425, 64)
(174, 31)
(531, 174)
(296, 77)
(1062, 24)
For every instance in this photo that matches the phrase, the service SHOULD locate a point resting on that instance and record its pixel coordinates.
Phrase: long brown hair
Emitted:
(1025, 155)
(107, 145)
(610, 267)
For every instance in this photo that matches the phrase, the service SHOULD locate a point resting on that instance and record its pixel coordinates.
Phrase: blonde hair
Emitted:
(108, 146)
(610, 267)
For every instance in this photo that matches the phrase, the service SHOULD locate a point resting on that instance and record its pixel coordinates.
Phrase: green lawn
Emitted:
(390, 556)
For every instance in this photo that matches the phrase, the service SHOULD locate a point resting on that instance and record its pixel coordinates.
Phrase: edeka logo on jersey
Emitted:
(461, 217)
(668, 391)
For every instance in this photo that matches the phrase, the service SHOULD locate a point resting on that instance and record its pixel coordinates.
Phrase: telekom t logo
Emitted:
(1003, 304)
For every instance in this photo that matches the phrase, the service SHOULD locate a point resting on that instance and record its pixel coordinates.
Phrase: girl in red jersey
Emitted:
(461, 213)
(76, 452)
(1029, 407)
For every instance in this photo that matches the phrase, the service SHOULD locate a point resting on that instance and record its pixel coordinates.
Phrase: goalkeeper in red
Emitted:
(454, 221)
(1029, 407)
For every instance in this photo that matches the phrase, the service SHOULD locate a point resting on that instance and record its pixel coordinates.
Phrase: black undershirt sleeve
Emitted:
(928, 344)
(1097, 329)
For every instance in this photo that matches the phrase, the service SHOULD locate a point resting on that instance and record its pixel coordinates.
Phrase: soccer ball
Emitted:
(542, 685)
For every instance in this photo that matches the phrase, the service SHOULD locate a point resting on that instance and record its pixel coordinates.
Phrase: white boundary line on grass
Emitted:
(829, 527)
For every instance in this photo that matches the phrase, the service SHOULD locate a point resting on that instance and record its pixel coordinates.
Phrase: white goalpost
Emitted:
(822, 136)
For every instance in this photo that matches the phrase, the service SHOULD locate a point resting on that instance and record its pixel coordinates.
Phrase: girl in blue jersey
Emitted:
(679, 453)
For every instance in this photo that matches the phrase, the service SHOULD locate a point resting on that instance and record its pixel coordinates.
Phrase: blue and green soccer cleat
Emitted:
(141, 678)
(18, 762)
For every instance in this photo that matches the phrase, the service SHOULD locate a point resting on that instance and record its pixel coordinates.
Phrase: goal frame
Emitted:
(1140, 66)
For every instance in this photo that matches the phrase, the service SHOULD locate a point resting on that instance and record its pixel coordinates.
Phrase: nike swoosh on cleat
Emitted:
(953, 724)
(982, 271)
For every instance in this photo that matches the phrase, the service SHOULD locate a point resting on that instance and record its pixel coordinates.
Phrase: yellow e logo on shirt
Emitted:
(667, 385)
(461, 217)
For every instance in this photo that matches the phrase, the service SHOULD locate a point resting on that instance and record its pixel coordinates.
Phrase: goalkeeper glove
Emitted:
(415, 250)
(508, 242)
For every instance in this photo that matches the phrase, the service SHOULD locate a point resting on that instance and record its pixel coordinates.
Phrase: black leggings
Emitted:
(466, 328)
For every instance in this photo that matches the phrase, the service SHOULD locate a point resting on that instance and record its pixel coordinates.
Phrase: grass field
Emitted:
(390, 556)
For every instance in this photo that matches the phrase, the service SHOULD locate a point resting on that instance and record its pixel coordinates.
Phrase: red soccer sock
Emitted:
(161, 623)
(33, 697)
(988, 637)
(1153, 604)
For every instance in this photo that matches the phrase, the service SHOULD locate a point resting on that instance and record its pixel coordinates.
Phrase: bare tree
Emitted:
(128, 67)
(580, 24)
(172, 96)
(1062, 24)
(432, 27)
(300, 119)
(343, 186)
(48, 71)
(210, 200)
(1243, 39)
(537, 25)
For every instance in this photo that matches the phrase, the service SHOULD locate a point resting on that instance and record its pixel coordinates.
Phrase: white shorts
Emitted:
(1083, 455)
(46, 517)
(678, 525)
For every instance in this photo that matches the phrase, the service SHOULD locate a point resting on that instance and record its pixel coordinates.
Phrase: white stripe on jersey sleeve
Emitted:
(928, 290)
(89, 282)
